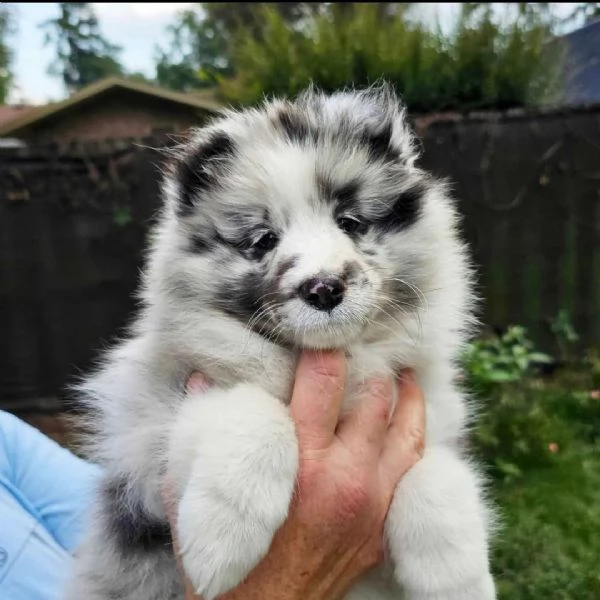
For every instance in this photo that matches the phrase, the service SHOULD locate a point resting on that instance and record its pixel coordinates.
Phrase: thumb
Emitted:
(317, 397)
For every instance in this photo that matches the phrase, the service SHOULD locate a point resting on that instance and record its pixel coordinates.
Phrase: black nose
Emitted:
(322, 293)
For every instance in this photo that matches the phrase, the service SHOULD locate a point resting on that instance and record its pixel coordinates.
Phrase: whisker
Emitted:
(399, 323)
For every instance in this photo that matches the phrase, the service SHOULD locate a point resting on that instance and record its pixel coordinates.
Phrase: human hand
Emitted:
(348, 473)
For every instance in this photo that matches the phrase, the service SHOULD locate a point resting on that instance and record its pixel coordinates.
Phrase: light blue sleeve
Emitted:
(57, 485)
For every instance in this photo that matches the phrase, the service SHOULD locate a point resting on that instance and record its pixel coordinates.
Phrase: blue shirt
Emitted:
(45, 495)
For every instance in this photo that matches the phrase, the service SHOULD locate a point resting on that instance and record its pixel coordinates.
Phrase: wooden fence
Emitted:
(73, 225)
(529, 190)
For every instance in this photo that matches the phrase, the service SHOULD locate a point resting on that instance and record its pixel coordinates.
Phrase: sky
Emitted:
(137, 27)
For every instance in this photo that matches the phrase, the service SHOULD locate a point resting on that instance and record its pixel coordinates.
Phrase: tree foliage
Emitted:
(588, 10)
(484, 61)
(83, 55)
(198, 53)
(7, 29)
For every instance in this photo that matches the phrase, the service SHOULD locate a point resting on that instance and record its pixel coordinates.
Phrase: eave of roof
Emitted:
(42, 113)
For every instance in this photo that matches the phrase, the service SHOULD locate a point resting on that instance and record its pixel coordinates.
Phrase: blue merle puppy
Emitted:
(299, 224)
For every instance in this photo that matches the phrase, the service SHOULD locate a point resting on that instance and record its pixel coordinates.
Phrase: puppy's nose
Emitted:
(323, 293)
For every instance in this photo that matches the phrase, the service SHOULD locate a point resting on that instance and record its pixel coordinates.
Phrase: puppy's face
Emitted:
(306, 221)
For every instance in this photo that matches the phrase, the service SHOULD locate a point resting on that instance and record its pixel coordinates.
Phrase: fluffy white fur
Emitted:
(232, 451)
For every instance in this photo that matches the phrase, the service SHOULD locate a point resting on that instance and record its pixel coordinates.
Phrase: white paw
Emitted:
(375, 585)
(235, 456)
(482, 589)
(219, 547)
(437, 531)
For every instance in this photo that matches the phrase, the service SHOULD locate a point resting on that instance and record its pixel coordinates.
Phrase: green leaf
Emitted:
(540, 357)
(122, 216)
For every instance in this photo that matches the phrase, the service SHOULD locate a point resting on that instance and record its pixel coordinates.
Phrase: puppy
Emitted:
(299, 224)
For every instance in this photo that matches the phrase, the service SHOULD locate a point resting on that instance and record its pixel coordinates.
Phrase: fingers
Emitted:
(404, 442)
(366, 426)
(197, 383)
(317, 397)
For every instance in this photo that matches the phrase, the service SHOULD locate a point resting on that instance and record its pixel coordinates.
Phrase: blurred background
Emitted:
(506, 101)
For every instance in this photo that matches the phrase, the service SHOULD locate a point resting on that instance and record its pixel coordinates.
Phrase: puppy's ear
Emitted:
(198, 168)
(403, 138)
(389, 131)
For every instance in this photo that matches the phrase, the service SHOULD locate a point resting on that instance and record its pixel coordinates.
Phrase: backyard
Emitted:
(505, 101)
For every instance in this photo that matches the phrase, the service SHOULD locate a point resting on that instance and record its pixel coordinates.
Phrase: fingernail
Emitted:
(318, 357)
(323, 361)
(197, 384)
(311, 358)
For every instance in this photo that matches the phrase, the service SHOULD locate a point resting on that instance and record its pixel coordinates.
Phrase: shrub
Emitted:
(508, 358)
(482, 63)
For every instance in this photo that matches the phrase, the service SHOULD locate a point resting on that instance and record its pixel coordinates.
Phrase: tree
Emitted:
(139, 77)
(198, 54)
(83, 55)
(590, 11)
(7, 29)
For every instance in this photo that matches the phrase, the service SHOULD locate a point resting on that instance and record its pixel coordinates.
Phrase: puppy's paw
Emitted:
(482, 589)
(437, 531)
(236, 491)
(219, 548)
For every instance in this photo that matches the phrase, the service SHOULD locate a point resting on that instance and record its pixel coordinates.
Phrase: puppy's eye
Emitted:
(351, 225)
(266, 242)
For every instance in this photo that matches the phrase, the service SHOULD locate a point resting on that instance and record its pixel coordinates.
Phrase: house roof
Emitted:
(202, 102)
(10, 112)
(582, 69)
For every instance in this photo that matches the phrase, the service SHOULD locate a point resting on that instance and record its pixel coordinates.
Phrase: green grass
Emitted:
(550, 542)
(548, 545)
